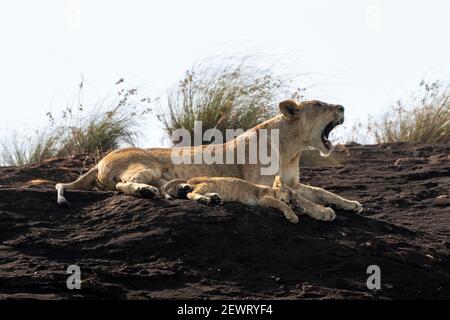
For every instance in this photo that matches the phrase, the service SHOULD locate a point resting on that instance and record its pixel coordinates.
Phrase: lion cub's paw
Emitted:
(183, 189)
(149, 192)
(324, 214)
(215, 198)
(202, 199)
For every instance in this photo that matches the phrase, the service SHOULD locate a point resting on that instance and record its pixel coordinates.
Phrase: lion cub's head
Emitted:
(282, 191)
(312, 122)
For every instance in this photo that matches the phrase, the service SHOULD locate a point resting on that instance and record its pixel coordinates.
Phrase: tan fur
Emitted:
(229, 189)
(141, 172)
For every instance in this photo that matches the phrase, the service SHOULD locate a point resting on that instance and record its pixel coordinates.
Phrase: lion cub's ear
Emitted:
(277, 183)
(289, 108)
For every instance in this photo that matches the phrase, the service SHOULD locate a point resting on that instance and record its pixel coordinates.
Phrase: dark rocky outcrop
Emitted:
(139, 248)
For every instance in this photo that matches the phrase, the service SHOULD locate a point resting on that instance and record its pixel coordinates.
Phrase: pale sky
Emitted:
(366, 53)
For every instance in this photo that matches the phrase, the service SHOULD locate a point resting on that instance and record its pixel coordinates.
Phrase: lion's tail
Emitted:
(171, 187)
(85, 181)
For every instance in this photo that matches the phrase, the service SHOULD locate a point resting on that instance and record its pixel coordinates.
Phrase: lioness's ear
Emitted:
(288, 108)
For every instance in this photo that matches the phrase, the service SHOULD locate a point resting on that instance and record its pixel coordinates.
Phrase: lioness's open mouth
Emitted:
(326, 132)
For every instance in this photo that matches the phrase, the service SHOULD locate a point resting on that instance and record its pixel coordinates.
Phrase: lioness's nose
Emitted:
(340, 108)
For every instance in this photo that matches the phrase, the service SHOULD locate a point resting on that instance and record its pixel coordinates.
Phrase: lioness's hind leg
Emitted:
(135, 182)
(138, 189)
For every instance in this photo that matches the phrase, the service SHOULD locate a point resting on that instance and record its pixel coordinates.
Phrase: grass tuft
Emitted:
(423, 119)
(232, 93)
(95, 130)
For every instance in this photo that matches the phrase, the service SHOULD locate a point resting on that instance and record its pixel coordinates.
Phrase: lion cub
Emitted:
(228, 189)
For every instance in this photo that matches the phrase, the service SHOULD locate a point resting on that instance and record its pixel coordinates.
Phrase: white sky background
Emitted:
(370, 53)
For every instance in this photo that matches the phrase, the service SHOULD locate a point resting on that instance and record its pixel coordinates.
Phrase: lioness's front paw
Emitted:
(354, 206)
(293, 218)
(323, 214)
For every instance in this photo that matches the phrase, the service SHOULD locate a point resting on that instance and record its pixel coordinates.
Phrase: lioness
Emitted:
(141, 172)
(228, 189)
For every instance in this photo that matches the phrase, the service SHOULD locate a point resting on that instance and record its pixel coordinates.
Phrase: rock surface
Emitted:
(140, 249)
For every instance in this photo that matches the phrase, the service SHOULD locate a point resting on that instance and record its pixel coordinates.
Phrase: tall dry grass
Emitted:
(16, 150)
(234, 93)
(96, 129)
(424, 118)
